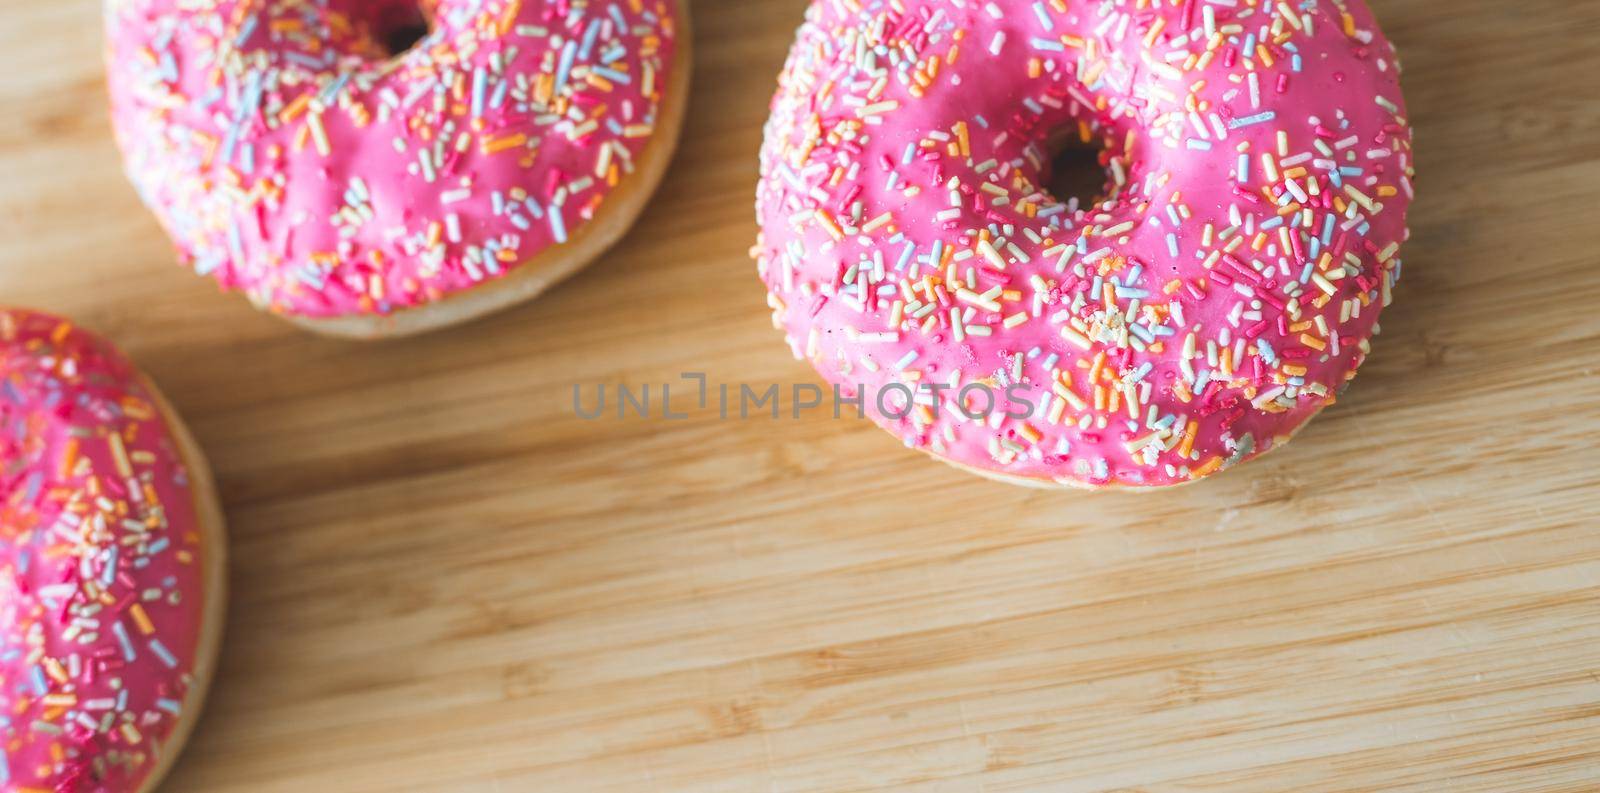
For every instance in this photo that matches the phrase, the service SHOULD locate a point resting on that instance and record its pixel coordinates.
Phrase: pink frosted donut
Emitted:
(111, 566)
(1221, 292)
(293, 157)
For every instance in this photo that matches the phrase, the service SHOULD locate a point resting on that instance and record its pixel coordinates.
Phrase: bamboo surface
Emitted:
(443, 580)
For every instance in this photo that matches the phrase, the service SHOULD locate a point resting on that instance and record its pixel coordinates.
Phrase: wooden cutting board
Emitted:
(444, 580)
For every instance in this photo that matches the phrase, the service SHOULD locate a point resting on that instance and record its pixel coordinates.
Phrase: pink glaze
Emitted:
(1159, 336)
(291, 158)
(100, 575)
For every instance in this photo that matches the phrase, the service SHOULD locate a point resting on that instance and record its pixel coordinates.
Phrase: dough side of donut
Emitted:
(1069, 483)
(214, 548)
(533, 276)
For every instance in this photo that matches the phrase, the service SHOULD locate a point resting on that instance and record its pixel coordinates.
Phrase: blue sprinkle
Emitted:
(1267, 354)
(589, 36)
(564, 66)
(246, 29)
(480, 83)
(500, 90)
(122, 640)
(558, 226)
(612, 74)
(1044, 16)
(332, 91)
(163, 653)
(1259, 118)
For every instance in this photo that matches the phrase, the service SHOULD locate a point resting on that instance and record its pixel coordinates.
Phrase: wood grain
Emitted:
(443, 580)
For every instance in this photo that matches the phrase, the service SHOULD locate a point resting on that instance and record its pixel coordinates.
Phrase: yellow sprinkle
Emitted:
(1186, 446)
(829, 224)
(141, 619)
(1075, 337)
(877, 108)
(1206, 468)
(496, 145)
(119, 455)
(319, 136)
(993, 256)
(968, 296)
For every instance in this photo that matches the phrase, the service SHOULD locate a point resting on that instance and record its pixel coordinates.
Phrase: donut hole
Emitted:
(1075, 173)
(398, 26)
(388, 27)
